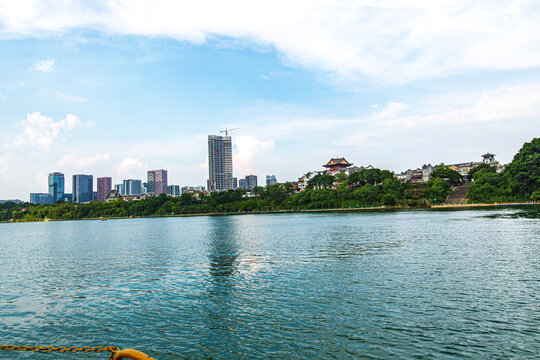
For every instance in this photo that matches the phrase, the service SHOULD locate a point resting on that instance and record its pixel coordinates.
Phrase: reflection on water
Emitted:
(422, 284)
(523, 212)
(222, 257)
(223, 249)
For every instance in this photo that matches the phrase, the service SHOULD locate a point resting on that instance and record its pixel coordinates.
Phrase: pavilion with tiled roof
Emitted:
(336, 164)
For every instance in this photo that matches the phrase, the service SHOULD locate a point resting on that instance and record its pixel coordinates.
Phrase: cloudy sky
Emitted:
(117, 87)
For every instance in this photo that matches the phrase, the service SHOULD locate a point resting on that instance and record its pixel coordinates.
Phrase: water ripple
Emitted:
(415, 284)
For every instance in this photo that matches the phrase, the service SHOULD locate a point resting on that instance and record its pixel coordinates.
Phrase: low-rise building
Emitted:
(192, 189)
(113, 195)
(40, 198)
(418, 175)
(303, 181)
(130, 197)
(335, 165)
(423, 174)
(489, 159)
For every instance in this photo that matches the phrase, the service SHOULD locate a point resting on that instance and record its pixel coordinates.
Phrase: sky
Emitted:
(119, 87)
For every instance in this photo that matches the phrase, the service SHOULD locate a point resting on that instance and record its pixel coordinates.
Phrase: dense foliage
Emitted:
(520, 180)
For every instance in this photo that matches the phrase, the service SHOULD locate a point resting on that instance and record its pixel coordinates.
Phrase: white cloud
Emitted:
(43, 66)
(505, 103)
(80, 161)
(509, 103)
(388, 40)
(130, 166)
(41, 131)
(249, 148)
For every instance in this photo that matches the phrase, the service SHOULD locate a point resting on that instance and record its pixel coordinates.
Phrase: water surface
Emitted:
(409, 284)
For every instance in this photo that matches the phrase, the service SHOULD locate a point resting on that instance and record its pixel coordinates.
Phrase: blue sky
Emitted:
(121, 87)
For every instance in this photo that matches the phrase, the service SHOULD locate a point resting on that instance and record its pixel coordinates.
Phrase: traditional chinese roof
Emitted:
(337, 162)
(487, 155)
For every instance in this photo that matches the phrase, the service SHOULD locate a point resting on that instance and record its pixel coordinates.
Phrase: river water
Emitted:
(404, 284)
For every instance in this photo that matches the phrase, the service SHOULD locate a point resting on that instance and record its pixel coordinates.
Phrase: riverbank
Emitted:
(455, 206)
(290, 211)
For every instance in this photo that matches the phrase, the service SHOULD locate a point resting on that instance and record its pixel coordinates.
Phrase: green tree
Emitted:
(372, 176)
(523, 173)
(444, 172)
(437, 191)
(482, 166)
(488, 187)
(389, 200)
(341, 177)
(321, 181)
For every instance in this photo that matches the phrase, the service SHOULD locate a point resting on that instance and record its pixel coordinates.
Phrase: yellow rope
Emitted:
(112, 349)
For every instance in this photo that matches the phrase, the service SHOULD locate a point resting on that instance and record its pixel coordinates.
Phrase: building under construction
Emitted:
(220, 167)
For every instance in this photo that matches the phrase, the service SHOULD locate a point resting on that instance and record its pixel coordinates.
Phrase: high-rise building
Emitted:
(242, 183)
(104, 185)
(120, 189)
(56, 187)
(270, 180)
(173, 190)
(144, 188)
(251, 181)
(157, 182)
(132, 187)
(220, 166)
(234, 183)
(83, 188)
(40, 198)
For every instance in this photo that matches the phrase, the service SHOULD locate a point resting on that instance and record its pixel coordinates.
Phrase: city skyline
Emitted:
(127, 186)
(110, 95)
(216, 144)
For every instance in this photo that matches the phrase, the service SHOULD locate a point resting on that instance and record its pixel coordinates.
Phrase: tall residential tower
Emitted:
(220, 167)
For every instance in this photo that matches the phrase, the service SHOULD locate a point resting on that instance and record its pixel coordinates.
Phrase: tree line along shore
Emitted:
(368, 188)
